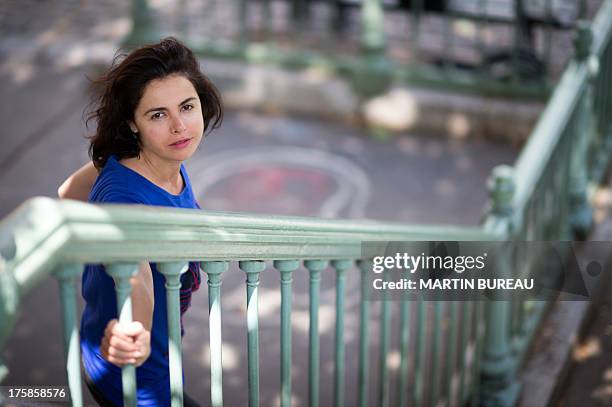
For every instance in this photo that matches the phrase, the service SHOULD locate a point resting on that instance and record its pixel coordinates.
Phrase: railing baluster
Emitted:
(383, 372)
(565, 195)
(435, 353)
(299, 15)
(364, 332)
(252, 270)
(607, 85)
(9, 303)
(519, 35)
(479, 332)
(582, 9)
(480, 34)
(244, 22)
(214, 269)
(547, 37)
(466, 320)
(415, 22)
(372, 23)
(172, 272)
(66, 275)
(606, 112)
(498, 360)
(452, 351)
(419, 363)
(144, 27)
(314, 267)
(121, 273)
(340, 266)
(267, 20)
(449, 36)
(286, 269)
(404, 341)
(582, 214)
(181, 23)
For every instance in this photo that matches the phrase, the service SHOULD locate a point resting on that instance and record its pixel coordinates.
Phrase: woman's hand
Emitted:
(123, 344)
(131, 343)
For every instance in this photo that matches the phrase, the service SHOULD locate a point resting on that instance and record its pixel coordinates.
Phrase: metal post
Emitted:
(172, 272)
(214, 269)
(402, 394)
(300, 13)
(286, 269)
(499, 387)
(244, 23)
(385, 328)
(452, 351)
(144, 29)
(364, 333)
(314, 267)
(9, 302)
(66, 276)
(373, 32)
(419, 362)
(581, 217)
(374, 73)
(252, 270)
(121, 273)
(340, 266)
(436, 351)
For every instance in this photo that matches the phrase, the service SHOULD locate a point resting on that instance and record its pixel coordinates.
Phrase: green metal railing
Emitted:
(463, 352)
(62, 236)
(546, 195)
(443, 43)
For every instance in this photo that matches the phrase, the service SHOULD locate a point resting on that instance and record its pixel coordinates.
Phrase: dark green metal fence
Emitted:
(494, 47)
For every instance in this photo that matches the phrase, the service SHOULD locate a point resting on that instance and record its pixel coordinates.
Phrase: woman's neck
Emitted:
(166, 175)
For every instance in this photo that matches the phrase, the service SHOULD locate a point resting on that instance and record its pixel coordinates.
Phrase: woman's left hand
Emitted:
(123, 344)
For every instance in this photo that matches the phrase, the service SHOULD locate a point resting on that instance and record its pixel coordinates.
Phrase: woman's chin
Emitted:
(183, 154)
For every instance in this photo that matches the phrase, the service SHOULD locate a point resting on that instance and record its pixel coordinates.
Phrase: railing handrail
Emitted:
(48, 231)
(538, 151)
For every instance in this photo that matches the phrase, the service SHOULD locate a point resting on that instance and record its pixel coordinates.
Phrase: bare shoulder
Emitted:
(79, 184)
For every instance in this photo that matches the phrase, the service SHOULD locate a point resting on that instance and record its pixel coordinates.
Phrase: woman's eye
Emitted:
(157, 115)
(188, 107)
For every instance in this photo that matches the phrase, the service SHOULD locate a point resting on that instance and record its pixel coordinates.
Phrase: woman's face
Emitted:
(169, 119)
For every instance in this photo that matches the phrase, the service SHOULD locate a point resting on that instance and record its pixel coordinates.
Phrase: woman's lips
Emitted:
(181, 143)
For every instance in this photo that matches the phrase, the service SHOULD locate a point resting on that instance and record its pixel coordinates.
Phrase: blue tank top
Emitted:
(119, 184)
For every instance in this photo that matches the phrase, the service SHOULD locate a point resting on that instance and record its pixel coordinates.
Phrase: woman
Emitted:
(155, 107)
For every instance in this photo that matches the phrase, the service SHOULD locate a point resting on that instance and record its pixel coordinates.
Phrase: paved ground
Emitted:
(590, 382)
(253, 163)
(590, 379)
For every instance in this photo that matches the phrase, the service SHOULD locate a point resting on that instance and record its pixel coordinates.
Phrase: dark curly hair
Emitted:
(119, 91)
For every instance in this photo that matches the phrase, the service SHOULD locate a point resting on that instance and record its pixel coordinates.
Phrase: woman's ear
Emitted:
(132, 126)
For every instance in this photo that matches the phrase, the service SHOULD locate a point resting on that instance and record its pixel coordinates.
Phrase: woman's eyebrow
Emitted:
(163, 108)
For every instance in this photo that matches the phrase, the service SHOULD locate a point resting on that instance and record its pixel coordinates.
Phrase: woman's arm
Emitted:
(131, 343)
(143, 299)
(78, 185)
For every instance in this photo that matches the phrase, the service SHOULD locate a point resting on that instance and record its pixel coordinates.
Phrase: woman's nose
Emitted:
(177, 125)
